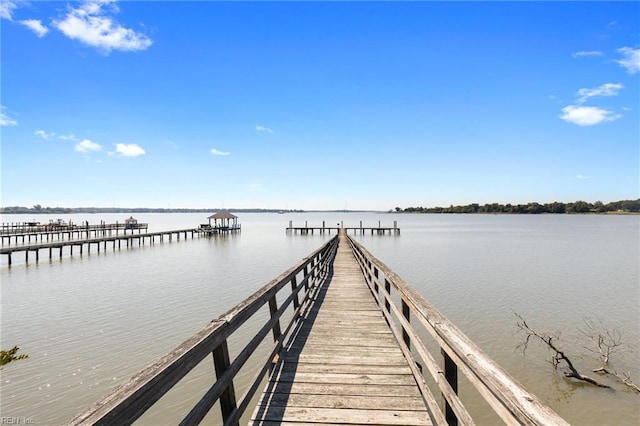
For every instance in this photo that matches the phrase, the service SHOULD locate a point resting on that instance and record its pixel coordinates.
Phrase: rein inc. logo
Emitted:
(17, 421)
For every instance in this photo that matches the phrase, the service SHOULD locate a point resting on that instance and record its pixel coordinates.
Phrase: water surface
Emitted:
(89, 323)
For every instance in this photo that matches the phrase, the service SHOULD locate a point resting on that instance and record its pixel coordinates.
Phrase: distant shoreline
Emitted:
(576, 207)
(622, 213)
(624, 207)
(615, 207)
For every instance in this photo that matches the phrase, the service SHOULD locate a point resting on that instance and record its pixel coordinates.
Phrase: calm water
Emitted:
(89, 323)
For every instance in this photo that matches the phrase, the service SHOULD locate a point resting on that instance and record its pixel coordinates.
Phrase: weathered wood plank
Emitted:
(344, 368)
(369, 359)
(371, 327)
(369, 402)
(343, 416)
(370, 323)
(382, 341)
(345, 378)
(343, 315)
(319, 349)
(343, 389)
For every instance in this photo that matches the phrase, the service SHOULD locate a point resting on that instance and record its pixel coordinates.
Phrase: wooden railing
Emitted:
(19, 229)
(512, 403)
(129, 401)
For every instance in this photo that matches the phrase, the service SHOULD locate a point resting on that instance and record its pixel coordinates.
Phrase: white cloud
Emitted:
(262, 129)
(587, 53)
(86, 145)
(607, 89)
(44, 135)
(129, 150)
(5, 120)
(216, 152)
(581, 177)
(587, 115)
(6, 9)
(69, 137)
(630, 59)
(91, 25)
(35, 26)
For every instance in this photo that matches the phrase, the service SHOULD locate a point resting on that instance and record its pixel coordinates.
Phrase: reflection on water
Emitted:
(91, 322)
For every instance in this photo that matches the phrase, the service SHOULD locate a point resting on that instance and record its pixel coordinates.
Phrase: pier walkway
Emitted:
(343, 364)
(336, 339)
(54, 231)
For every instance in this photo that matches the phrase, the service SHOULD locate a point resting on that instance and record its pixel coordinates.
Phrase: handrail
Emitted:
(19, 230)
(129, 401)
(508, 398)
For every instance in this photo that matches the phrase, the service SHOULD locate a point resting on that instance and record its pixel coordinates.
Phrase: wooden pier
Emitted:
(223, 223)
(379, 230)
(342, 364)
(218, 230)
(345, 355)
(26, 231)
(118, 240)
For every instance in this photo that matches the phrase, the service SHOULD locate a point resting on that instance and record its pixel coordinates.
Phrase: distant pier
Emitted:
(223, 223)
(24, 232)
(79, 236)
(379, 230)
(118, 240)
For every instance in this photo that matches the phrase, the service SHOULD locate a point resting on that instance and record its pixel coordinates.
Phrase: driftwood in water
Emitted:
(607, 342)
(559, 356)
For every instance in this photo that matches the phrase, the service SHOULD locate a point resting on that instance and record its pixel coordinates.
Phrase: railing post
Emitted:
(406, 312)
(375, 274)
(294, 284)
(306, 273)
(387, 302)
(314, 274)
(451, 375)
(273, 308)
(228, 397)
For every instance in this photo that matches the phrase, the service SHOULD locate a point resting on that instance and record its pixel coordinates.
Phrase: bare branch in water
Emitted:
(559, 358)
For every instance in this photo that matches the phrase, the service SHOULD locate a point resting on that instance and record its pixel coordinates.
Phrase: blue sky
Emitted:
(318, 105)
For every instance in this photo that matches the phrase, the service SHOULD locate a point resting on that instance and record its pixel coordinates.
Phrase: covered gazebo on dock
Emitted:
(131, 223)
(223, 221)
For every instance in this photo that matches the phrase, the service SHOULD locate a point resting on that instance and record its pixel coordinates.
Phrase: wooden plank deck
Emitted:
(343, 365)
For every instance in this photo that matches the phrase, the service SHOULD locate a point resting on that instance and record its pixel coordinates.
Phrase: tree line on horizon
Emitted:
(626, 206)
